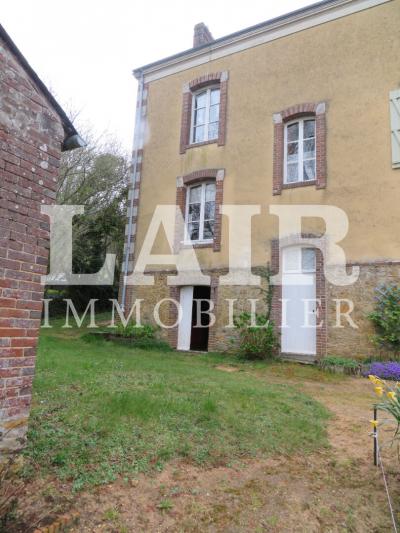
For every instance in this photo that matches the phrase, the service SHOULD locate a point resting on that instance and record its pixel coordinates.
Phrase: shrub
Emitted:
(388, 370)
(131, 330)
(143, 337)
(258, 341)
(340, 362)
(386, 317)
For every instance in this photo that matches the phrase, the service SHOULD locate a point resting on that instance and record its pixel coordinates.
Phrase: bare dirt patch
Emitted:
(226, 368)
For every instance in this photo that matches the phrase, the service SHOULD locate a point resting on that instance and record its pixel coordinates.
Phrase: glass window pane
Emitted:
(308, 259)
(292, 151)
(293, 132)
(195, 194)
(309, 128)
(214, 113)
(194, 212)
(209, 211)
(292, 173)
(309, 170)
(309, 149)
(291, 260)
(214, 97)
(213, 130)
(208, 229)
(193, 231)
(200, 116)
(198, 134)
(210, 192)
(201, 100)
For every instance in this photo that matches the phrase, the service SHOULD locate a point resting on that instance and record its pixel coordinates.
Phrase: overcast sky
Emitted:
(85, 50)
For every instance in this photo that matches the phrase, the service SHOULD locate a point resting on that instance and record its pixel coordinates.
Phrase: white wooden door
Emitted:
(298, 333)
(185, 325)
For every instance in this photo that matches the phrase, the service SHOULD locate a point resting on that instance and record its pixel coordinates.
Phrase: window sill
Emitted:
(200, 244)
(203, 143)
(299, 184)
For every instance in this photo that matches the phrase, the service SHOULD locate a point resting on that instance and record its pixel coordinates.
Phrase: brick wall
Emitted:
(30, 144)
(201, 35)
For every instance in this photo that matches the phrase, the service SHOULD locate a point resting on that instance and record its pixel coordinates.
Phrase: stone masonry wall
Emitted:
(220, 335)
(343, 341)
(30, 146)
(348, 341)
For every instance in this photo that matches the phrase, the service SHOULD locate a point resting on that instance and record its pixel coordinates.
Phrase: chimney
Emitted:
(202, 35)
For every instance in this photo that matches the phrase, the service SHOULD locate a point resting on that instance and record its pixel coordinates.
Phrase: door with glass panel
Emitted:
(298, 332)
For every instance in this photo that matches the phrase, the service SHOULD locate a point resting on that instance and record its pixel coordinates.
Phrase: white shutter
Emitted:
(395, 127)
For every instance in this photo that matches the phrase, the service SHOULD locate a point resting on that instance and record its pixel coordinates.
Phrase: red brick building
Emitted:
(34, 130)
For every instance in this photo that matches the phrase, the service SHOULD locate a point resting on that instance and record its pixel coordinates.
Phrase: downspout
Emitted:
(137, 144)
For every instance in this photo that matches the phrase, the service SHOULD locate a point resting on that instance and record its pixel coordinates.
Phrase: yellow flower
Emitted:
(375, 380)
(379, 391)
(374, 423)
(391, 395)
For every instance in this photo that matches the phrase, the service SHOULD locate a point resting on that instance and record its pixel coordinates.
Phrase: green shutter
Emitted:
(395, 127)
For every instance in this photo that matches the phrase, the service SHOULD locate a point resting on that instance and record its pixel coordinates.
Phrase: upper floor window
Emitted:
(204, 111)
(200, 212)
(300, 154)
(205, 115)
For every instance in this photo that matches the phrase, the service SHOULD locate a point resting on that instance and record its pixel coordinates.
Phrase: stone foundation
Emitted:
(347, 341)
(341, 341)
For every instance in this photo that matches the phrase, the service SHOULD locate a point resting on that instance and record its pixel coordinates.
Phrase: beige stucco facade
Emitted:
(351, 64)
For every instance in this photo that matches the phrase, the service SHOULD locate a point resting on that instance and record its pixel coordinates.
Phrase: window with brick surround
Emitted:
(204, 110)
(300, 147)
(200, 212)
(199, 196)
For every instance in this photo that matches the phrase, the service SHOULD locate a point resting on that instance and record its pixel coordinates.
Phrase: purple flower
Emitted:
(387, 370)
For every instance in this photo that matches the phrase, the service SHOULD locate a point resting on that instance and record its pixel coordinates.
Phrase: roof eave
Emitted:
(271, 24)
(69, 129)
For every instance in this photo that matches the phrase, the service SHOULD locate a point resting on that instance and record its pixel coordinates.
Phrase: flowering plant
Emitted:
(389, 395)
(386, 370)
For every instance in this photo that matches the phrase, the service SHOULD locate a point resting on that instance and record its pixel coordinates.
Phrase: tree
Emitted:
(97, 177)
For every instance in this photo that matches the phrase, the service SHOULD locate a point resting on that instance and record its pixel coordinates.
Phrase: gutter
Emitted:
(72, 139)
(137, 139)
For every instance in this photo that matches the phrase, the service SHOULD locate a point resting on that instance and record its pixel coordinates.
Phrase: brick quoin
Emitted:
(33, 132)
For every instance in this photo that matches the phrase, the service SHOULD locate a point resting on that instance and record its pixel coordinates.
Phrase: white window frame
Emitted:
(299, 267)
(200, 240)
(207, 90)
(300, 160)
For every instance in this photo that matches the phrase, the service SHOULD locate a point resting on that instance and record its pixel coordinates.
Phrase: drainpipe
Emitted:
(137, 144)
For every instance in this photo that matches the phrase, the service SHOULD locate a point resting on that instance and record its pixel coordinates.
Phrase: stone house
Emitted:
(34, 130)
(300, 110)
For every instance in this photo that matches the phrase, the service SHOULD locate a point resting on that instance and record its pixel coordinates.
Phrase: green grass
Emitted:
(101, 409)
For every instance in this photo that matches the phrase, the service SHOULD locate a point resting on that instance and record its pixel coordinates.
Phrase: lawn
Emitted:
(102, 409)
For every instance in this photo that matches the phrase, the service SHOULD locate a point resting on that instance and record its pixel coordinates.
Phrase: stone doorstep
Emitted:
(305, 359)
